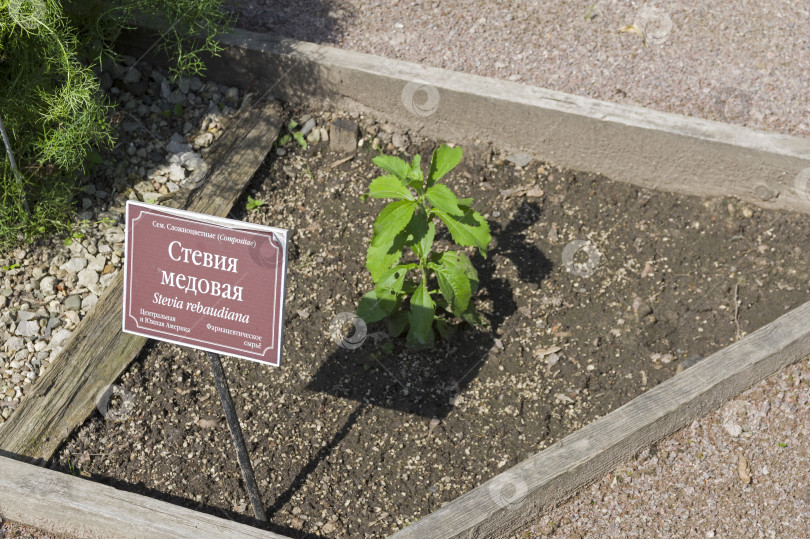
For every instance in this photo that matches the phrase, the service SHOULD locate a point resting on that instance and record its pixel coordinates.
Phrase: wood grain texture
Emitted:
(628, 143)
(66, 504)
(98, 351)
(508, 502)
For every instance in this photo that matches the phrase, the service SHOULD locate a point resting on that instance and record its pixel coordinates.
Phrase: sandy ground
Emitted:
(744, 63)
(739, 472)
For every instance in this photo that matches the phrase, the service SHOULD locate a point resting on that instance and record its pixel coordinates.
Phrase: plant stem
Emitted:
(14, 169)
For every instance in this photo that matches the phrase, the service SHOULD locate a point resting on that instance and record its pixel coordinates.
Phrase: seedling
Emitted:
(75, 235)
(297, 135)
(253, 203)
(410, 221)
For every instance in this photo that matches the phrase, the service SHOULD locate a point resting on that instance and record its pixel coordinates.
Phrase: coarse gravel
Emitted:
(738, 472)
(14, 530)
(47, 287)
(741, 63)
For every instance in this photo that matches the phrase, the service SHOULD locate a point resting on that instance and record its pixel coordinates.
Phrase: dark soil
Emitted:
(361, 442)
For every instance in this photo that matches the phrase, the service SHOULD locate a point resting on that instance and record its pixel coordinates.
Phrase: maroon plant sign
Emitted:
(206, 282)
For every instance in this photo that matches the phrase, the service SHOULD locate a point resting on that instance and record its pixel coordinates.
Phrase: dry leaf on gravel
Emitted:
(744, 469)
(633, 29)
(530, 191)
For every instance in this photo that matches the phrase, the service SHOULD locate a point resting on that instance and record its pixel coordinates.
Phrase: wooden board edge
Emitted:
(628, 143)
(38, 427)
(511, 500)
(61, 503)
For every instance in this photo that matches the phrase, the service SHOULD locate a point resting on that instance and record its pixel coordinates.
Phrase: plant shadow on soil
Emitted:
(428, 379)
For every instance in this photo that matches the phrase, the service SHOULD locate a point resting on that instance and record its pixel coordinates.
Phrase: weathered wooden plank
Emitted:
(628, 143)
(508, 502)
(98, 351)
(61, 503)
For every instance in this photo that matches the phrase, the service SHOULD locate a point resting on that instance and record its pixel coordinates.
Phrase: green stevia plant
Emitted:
(420, 202)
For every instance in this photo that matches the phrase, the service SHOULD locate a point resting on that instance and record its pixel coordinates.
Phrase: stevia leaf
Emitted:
(443, 198)
(471, 229)
(454, 286)
(397, 323)
(371, 309)
(381, 257)
(421, 318)
(389, 186)
(443, 161)
(420, 234)
(394, 165)
(389, 286)
(392, 219)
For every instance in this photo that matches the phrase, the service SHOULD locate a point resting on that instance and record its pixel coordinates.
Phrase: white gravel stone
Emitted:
(97, 263)
(60, 336)
(177, 172)
(308, 126)
(204, 140)
(132, 75)
(114, 235)
(177, 144)
(27, 328)
(73, 303)
(75, 265)
(89, 302)
(232, 95)
(519, 159)
(24, 315)
(87, 277)
(48, 285)
(14, 344)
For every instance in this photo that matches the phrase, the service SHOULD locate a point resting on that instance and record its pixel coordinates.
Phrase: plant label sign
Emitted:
(210, 283)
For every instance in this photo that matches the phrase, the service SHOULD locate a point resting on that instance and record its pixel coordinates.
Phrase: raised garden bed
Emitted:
(324, 427)
(400, 434)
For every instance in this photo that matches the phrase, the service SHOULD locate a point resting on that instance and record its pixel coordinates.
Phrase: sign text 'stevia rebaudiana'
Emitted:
(210, 283)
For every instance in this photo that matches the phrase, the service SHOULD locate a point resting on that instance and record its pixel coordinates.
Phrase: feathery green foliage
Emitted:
(50, 101)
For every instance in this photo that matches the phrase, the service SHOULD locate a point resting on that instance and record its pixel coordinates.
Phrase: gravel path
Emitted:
(739, 472)
(13, 530)
(739, 63)
(48, 287)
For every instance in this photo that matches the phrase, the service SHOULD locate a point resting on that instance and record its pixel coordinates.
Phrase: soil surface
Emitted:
(361, 442)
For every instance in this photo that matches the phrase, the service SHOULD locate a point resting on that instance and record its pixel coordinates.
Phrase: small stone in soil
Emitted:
(343, 136)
